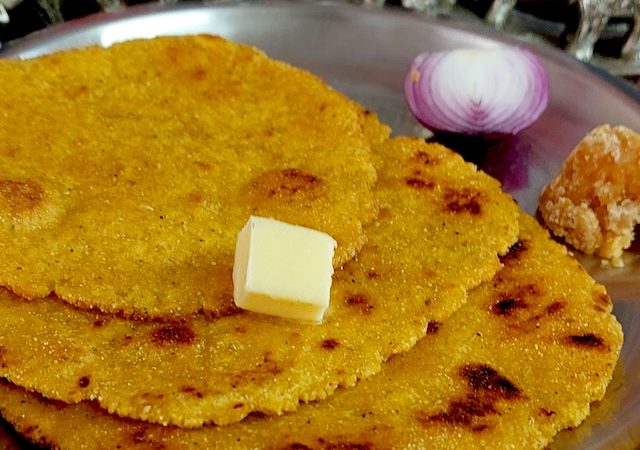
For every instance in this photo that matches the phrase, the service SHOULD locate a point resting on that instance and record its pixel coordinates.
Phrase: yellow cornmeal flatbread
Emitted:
(520, 361)
(441, 227)
(126, 173)
(601, 413)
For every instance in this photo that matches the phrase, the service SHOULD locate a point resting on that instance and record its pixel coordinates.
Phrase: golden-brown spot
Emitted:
(587, 340)
(265, 370)
(418, 183)
(428, 272)
(485, 388)
(198, 74)
(99, 323)
(272, 367)
(507, 306)
(330, 344)
(525, 308)
(141, 437)
(460, 412)
(11, 152)
(269, 132)
(485, 379)
(555, 307)
(173, 334)
(3, 353)
(384, 214)
(433, 326)
(515, 252)
(360, 302)
(425, 158)
(175, 56)
(226, 309)
(152, 396)
(463, 201)
(76, 90)
(229, 310)
(286, 184)
(546, 412)
(296, 446)
(196, 198)
(203, 165)
(515, 299)
(21, 196)
(84, 382)
(372, 274)
(191, 391)
(238, 405)
(344, 445)
(602, 302)
(55, 60)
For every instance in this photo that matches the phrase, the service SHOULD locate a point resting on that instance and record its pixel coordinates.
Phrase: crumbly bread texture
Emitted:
(521, 360)
(126, 190)
(594, 202)
(442, 226)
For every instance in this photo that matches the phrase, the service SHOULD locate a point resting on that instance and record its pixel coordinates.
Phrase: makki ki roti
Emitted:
(441, 227)
(127, 172)
(520, 361)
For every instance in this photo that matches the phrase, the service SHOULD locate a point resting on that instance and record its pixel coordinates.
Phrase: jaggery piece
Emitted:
(594, 202)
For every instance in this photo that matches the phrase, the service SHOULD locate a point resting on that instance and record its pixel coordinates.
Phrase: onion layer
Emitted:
(477, 91)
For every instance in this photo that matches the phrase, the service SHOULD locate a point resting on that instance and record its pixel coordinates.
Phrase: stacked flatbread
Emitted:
(117, 228)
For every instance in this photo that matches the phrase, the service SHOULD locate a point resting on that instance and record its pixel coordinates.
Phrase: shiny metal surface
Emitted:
(595, 15)
(365, 54)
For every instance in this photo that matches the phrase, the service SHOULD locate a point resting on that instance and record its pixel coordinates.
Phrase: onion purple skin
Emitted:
(477, 92)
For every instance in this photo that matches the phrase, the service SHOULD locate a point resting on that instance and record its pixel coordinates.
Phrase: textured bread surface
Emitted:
(520, 361)
(127, 172)
(441, 228)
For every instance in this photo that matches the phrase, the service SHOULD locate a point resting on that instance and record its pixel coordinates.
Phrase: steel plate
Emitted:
(365, 54)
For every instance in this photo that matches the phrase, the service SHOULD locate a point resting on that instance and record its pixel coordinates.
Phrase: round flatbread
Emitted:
(520, 361)
(441, 228)
(125, 189)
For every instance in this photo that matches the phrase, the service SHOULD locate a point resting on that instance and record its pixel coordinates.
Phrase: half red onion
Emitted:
(484, 91)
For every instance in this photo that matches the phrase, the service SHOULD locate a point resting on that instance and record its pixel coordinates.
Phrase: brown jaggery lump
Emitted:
(594, 202)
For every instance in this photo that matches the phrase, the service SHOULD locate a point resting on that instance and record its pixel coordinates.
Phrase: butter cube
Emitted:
(282, 269)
